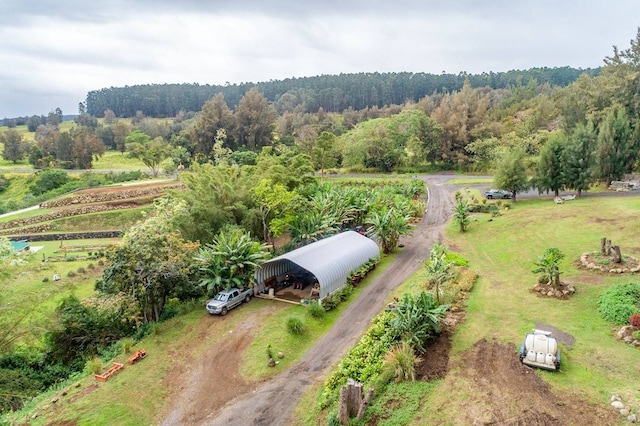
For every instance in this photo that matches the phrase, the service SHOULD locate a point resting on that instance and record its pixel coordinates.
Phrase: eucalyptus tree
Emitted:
(255, 120)
(215, 115)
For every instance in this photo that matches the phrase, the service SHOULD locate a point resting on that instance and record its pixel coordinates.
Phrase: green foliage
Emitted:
(364, 361)
(438, 269)
(511, 173)
(417, 318)
(548, 265)
(295, 325)
(153, 263)
(334, 299)
(94, 365)
(315, 310)
(461, 215)
(400, 363)
(619, 302)
(127, 343)
(455, 259)
(386, 226)
(230, 261)
(47, 180)
(270, 352)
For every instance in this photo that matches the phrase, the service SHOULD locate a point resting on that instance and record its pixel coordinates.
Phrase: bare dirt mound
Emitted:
(504, 391)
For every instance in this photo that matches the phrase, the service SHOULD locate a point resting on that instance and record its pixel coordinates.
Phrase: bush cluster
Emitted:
(295, 325)
(619, 302)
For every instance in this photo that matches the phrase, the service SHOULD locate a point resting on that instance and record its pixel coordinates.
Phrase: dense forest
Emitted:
(332, 93)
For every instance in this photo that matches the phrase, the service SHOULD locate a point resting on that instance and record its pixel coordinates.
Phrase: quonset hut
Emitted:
(329, 261)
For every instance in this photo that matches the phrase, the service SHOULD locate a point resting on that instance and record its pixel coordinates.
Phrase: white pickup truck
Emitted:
(228, 299)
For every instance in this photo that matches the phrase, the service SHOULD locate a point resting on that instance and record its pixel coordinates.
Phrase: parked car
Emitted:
(497, 193)
(540, 350)
(226, 300)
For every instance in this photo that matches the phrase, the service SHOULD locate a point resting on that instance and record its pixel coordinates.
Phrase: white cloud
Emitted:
(54, 56)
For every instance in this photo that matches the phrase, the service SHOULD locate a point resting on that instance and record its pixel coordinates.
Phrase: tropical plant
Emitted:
(417, 318)
(387, 225)
(461, 215)
(548, 265)
(230, 260)
(438, 269)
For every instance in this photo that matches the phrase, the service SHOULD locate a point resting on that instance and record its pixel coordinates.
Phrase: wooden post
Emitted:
(617, 256)
(608, 248)
(365, 404)
(603, 246)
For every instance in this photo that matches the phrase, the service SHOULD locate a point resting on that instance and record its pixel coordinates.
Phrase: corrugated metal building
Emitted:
(330, 260)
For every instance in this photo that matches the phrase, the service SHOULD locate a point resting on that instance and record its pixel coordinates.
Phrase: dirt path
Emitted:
(501, 390)
(272, 403)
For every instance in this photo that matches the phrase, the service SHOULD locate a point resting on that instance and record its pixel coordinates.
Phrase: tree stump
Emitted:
(365, 404)
(617, 255)
(603, 246)
(608, 248)
(351, 400)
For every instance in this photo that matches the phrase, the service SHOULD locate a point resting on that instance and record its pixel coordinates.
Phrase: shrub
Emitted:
(634, 320)
(94, 365)
(456, 259)
(81, 270)
(330, 302)
(91, 266)
(295, 325)
(315, 310)
(71, 258)
(636, 335)
(45, 279)
(127, 343)
(71, 274)
(619, 302)
(400, 363)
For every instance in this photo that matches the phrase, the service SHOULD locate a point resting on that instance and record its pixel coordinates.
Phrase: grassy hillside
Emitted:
(501, 307)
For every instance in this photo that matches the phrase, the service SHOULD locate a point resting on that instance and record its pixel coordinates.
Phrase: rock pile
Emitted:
(616, 402)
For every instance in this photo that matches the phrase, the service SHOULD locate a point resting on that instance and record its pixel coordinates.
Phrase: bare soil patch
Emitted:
(503, 391)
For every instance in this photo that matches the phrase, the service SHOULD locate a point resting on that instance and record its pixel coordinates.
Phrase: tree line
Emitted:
(332, 93)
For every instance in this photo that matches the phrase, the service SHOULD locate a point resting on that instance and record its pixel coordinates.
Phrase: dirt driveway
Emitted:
(496, 388)
(272, 402)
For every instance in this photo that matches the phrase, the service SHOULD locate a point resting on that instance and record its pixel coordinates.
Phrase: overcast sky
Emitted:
(53, 52)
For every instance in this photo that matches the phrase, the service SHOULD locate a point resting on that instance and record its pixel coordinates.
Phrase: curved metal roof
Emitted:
(331, 260)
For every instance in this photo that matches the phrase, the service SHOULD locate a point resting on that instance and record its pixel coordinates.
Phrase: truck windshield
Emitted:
(221, 296)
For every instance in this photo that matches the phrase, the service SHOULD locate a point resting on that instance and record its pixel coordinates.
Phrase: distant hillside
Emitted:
(333, 93)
